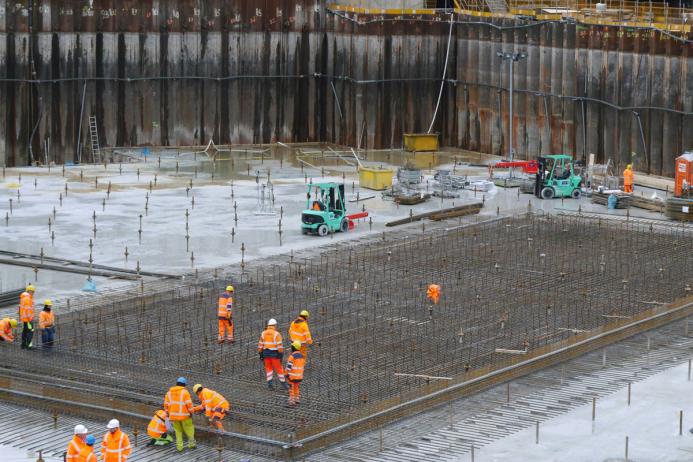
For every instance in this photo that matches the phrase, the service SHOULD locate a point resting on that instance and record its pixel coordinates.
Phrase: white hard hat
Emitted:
(80, 430)
(113, 424)
(272, 322)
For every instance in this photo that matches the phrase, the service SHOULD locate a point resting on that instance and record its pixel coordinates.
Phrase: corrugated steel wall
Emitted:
(179, 72)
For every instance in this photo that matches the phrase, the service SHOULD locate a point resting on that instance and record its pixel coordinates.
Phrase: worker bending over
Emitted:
(271, 352)
(433, 293)
(47, 325)
(26, 315)
(294, 368)
(116, 444)
(225, 315)
(87, 453)
(159, 428)
(76, 444)
(299, 332)
(213, 404)
(628, 178)
(6, 326)
(180, 409)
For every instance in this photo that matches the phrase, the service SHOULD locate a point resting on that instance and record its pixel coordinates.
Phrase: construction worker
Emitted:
(116, 444)
(47, 325)
(271, 352)
(294, 368)
(6, 326)
(214, 405)
(225, 315)
(159, 428)
(628, 177)
(299, 332)
(433, 293)
(77, 443)
(87, 453)
(26, 316)
(180, 409)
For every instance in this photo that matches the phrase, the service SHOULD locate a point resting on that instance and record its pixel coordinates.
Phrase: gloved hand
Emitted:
(262, 355)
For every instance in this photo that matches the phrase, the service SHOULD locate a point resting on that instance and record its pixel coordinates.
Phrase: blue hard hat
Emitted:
(182, 380)
(91, 440)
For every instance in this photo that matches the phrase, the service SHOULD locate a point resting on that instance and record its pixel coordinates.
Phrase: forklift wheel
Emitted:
(344, 226)
(575, 194)
(547, 193)
(322, 230)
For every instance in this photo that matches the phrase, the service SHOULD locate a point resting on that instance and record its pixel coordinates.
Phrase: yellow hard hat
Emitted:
(30, 288)
(304, 313)
(629, 166)
(296, 345)
(48, 302)
(13, 322)
(197, 387)
(229, 288)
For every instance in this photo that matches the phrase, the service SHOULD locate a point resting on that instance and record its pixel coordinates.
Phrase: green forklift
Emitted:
(557, 176)
(325, 210)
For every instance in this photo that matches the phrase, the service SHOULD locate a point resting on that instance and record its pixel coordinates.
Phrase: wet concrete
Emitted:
(181, 72)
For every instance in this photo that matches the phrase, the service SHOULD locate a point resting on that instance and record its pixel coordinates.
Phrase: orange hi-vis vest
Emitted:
(74, 448)
(295, 366)
(157, 426)
(271, 340)
(178, 404)
(225, 306)
(6, 330)
(299, 331)
(116, 446)
(87, 454)
(46, 319)
(628, 177)
(26, 307)
(211, 400)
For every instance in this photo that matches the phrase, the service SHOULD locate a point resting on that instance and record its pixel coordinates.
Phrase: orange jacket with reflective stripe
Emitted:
(295, 366)
(299, 331)
(178, 403)
(46, 319)
(74, 448)
(157, 426)
(26, 307)
(211, 402)
(628, 177)
(270, 339)
(225, 306)
(87, 454)
(116, 447)
(6, 330)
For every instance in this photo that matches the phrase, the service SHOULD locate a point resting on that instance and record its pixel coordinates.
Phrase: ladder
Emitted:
(94, 135)
(497, 6)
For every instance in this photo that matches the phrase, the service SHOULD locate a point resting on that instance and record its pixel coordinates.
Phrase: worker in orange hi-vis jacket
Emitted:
(433, 293)
(116, 444)
(271, 350)
(628, 179)
(294, 368)
(26, 315)
(214, 405)
(77, 443)
(225, 315)
(299, 332)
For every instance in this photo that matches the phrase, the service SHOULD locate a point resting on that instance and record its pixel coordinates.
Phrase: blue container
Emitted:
(612, 201)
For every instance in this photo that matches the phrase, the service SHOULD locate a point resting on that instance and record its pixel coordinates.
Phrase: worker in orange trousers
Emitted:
(271, 350)
(299, 332)
(628, 179)
(294, 368)
(213, 404)
(116, 444)
(433, 293)
(6, 326)
(225, 315)
(26, 316)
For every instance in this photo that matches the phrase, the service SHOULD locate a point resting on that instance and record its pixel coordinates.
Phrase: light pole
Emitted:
(512, 58)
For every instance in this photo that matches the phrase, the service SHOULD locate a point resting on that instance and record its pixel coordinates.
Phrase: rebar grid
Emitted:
(516, 283)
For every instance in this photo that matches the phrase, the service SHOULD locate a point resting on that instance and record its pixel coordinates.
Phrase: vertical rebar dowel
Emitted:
(626, 449)
(472, 452)
(629, 385)
(594, 408)
(536, 441)
(689, 369)
(680, 422)
(507, 392)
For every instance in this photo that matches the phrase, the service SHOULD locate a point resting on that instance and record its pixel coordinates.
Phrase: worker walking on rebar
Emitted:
(225, 315)
(6, 326)
(294, 368)
(628, 179)
(116, 444)
(299, 332)
(26, 315)
(433, 293)
(271, 351)
(87, 453)
(214, 405)
(47, 325)
(180, 409)
(159, 429)
(76, 444)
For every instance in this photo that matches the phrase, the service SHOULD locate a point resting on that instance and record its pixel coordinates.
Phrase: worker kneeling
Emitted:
(214, 404)
(6, 326)
(433, 293)
(159, 429)
(294, 368)
(271, 351)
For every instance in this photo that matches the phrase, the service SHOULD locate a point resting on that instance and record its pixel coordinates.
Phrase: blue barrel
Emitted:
(612, 201)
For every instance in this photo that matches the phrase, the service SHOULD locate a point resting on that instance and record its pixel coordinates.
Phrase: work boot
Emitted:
(231, 340)
(220, 341)
(284, 385)
(270, 385)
